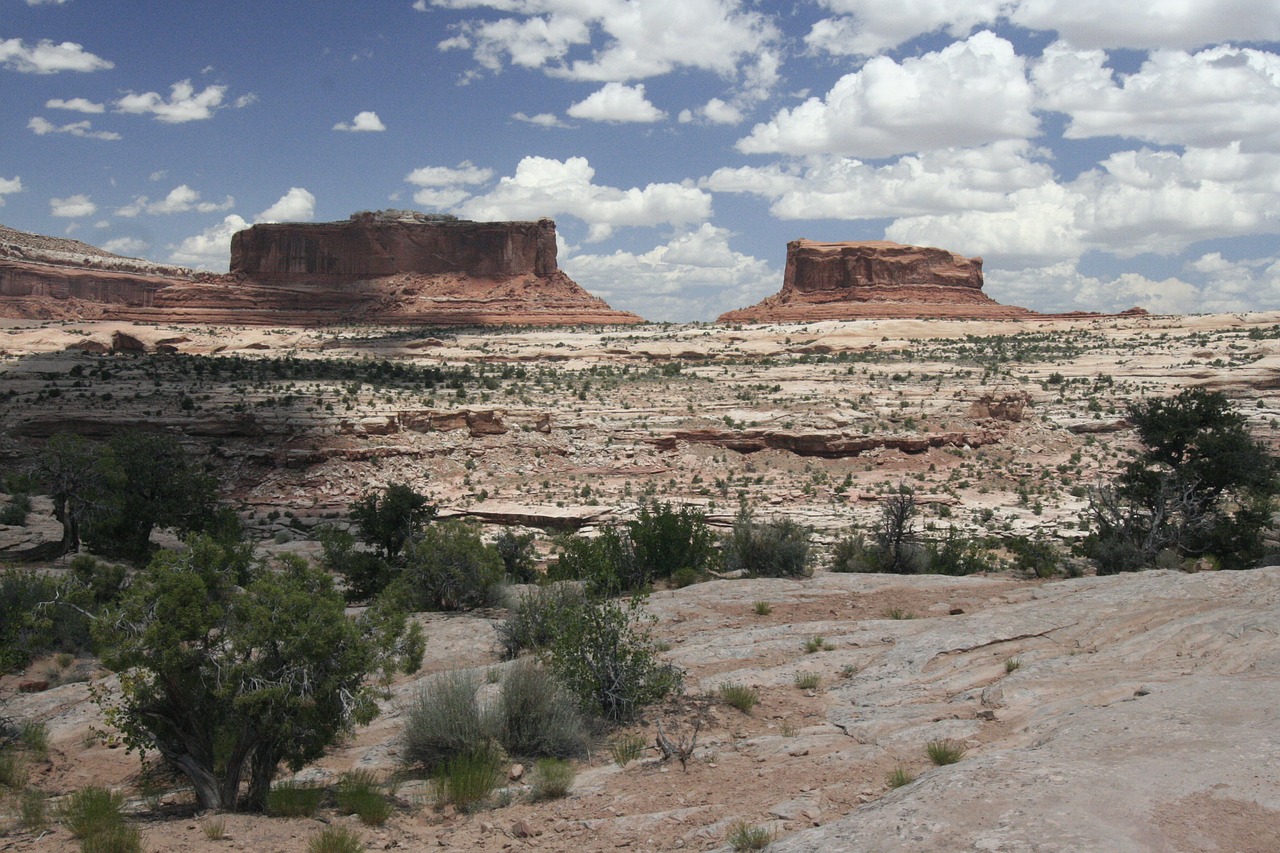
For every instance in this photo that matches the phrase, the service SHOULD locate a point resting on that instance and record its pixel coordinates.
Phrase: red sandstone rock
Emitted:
(370, 269)
(849, 281)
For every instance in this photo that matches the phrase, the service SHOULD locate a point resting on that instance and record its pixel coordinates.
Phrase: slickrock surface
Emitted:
(1142, 716)
(849, 281)
(367, 269)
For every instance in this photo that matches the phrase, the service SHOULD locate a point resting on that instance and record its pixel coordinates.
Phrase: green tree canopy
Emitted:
(1200, 486)
(230, 667)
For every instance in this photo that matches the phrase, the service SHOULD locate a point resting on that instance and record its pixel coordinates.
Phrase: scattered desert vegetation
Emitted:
(488, 580)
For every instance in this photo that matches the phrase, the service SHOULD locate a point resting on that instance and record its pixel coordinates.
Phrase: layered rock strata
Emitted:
(850, 281)
(368, 270)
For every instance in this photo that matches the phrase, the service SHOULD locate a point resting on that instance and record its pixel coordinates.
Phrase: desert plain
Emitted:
(1133, 712)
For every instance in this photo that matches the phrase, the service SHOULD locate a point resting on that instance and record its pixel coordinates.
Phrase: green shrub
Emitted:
(517, 554)
(552, 779)
(536, 716)
(852, 554)
(606, 657)
(668, 539)
(294, 799)
(745, 836)
(534, 616)
(124, 838)
(762, 608)
(14, 513)
(37, 616)
(91, 811)
(1038, 557)
(444, 720)
(686, 576)
(775, 549)
(956, 555)
(739, 696)
(946, 751)
(468, 778)
(606, 564)
(627, 748)
(335, 839)
(359, 793)
(449, 567)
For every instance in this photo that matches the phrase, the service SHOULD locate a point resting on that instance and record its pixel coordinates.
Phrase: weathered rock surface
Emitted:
(368, 269)
(849, 281)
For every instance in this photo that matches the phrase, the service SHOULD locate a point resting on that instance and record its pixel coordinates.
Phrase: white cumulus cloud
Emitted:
(1208, 98)
(443, 187)
(45, 57)
(297, 205)
(949, 179)
(617, 102)
(8, 186)
(79, 105)
(969, 93)
(211, 248)
(540, 119)
(41, 126)
(626, 39)
(72, 207)
(870, 27)
(694, 275)
(1147, 24)
(181, 199)
(544, 187)
(183, 104)
(364, 122)
(128, 246)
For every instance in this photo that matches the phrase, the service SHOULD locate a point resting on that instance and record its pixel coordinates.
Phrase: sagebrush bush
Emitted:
(774, 549)
(536, 716)
(532, 619)
(444, 720)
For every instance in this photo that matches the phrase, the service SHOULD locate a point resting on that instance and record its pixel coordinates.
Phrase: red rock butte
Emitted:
(875, 279)
(391, 267)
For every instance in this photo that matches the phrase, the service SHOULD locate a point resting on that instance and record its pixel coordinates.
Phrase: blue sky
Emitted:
(1096, 154)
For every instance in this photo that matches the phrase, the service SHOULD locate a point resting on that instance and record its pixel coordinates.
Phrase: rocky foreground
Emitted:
(1130, 713)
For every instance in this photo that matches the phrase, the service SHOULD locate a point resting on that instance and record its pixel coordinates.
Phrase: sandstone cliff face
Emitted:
(374, 249)
(848, 281)
(369, 270)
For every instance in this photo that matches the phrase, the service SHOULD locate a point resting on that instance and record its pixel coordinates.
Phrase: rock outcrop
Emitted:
(850, 281)
(370, 269)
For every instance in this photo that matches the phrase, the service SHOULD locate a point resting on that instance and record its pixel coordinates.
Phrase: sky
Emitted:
(1096, 154)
